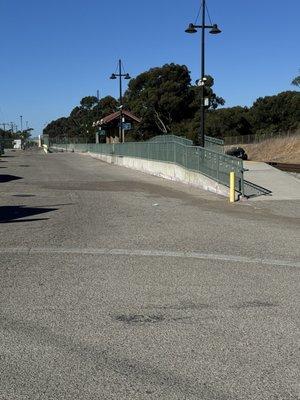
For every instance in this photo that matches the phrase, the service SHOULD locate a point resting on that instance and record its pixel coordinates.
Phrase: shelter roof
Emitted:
(116, 115)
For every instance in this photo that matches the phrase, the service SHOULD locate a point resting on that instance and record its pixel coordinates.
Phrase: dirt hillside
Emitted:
(285, 150)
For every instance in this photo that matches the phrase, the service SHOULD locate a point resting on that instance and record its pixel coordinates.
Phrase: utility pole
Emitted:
(21, 119)
(4, 125)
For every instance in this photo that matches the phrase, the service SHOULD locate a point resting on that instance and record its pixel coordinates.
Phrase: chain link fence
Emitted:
(248, 139)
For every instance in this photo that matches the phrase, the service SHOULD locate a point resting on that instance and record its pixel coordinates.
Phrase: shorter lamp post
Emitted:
(192, 28)
(126, 76)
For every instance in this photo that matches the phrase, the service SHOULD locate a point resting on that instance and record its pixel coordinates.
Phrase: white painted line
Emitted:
(149, 253)
(12, 250)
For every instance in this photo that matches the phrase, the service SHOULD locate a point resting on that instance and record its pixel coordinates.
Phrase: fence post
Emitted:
(167, 152)
(174, 152)
(186, 156)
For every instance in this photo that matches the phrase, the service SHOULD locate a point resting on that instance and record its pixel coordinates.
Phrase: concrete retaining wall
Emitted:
(165, 170)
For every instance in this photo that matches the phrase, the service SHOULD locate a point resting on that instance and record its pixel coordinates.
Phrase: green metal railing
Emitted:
(210, 143)
(214, 144)
(210, 163)
(171, 138)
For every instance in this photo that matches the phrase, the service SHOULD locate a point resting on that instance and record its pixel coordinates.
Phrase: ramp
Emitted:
(273, 183)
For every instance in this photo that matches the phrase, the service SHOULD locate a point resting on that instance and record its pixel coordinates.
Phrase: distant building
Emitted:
(17, 144)
(113, 127)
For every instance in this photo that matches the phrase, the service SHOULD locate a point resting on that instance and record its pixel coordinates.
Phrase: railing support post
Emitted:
(242, 184)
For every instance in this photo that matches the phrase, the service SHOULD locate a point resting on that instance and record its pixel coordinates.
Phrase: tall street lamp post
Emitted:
(192, 28)
(21, 120)
(126, 76)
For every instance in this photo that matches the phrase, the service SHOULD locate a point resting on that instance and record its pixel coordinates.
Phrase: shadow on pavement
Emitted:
(8, 178)
(14, 213)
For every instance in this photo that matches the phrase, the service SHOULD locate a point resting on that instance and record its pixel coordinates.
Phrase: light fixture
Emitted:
(215, 30)
(191, 29)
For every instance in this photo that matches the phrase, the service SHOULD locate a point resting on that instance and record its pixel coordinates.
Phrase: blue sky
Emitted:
(53, 53)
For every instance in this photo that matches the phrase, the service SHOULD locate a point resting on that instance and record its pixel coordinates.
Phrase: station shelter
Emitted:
(113, 127)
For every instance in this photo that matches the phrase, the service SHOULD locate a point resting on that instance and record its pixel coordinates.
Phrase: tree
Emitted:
(161, 96)
(88, 102)
(279, 113)
(61, 128)
(25, 135)
(233, 121)
(168, 102)
(79, 125)
(270, 114)
(296, 81)
(107, 105)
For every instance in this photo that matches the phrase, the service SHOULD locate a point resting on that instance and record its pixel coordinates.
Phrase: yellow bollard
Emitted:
(232, 188)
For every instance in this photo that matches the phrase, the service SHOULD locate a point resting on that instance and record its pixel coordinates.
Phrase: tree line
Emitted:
(9, 135)
(168, 102)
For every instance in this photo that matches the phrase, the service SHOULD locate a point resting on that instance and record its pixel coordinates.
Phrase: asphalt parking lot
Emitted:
(119, 285)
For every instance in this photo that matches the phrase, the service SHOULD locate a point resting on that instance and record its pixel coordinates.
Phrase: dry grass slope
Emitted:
(285, 150)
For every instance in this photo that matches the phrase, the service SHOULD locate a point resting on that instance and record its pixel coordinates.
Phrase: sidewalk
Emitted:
(284, 186)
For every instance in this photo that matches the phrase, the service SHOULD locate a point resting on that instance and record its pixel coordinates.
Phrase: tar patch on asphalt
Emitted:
(255, 304)
(23, 195)
(139, 318)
